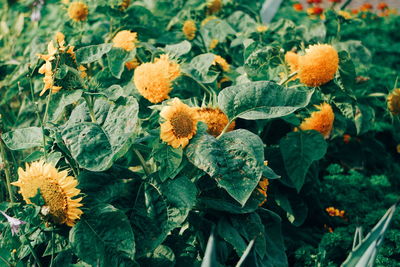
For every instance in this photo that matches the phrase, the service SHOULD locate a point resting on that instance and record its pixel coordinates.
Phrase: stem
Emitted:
(52, 248)
(200, 84)
(38, 114)
(33, 252)
(288, 78)
(225, 129)
(6, 165)
(142, 162)
(89, 103)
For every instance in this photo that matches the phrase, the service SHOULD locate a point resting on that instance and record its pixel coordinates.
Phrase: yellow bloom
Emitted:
(180, 123)
(83, 73)
(262, 28)
(321, 120)
(345, 14)
(262, 188)
(133, 64)
(71, 52)
(56, 187)
(60, 38)
(189, 29)
(126, 40)
(78, 11)
(333, 212)
(221, 62)
(214, 6)
(319, 65)
(207, 19)
(398, 148)
(51, 50)
(48, 79)
(125, 4)
(393, 102)
(215, 119)
(214, 43)
(154, 80)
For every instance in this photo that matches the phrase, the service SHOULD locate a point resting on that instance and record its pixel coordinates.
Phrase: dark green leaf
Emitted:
(23, 138)
(91, 53)
(117, 57)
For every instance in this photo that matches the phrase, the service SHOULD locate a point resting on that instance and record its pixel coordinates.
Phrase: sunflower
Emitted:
(215, 119)
(393, 102)
(214, 6)
(319, 65)
(126, 40)
(56, 188)
(180, 123)
(261, 28)
(189, 29)
(154, 80)
(125, 4)
(321, 120)
(221, 62)
(262, 188)
(78, 11)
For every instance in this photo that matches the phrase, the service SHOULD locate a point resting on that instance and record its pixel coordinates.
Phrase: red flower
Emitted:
(298, 7)
(365, 7)
(382, 6)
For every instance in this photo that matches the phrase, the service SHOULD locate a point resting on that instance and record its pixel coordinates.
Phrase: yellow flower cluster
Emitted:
(262, 188)
(57, 189)
(47, 69)
(126, 40)
(78, 11)
(215, 119)
(154, 80)
(333, 212)
(317, 67)
(393, 102)
(321, 120)
(189, 29)
(180, 123)
(220, 61)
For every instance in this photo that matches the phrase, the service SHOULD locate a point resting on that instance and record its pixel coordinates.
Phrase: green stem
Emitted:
(142, 162)
(288, 78)
(38, 115)
(89, 103)
(52, 247)
(33, 252)
(6, 168)
(225, 129)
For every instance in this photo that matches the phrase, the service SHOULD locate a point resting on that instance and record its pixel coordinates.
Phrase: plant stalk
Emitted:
(6, 168)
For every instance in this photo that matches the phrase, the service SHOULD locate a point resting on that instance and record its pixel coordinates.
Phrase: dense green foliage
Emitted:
(146, 203)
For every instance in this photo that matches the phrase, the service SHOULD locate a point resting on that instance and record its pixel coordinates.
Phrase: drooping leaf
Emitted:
(23, 138)
(103, 236)
(116, 58)
(60, 101)
(179, 49)
(235, 161)
(299, 150)
(91, 53)
(261, 100)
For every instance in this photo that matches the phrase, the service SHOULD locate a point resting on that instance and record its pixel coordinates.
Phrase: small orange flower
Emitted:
(189, 29)
(346, 138)
(213, 43)
(133, 64)
(366, 7)
(126, 40)
(333, 212)
(393, 102)
(382, 6)
(222, 63)
(214, 6)
(321, 120)
(262, 188)
(298, 7)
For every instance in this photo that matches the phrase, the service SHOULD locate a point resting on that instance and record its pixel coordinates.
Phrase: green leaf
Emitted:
(149, 219)
(364, 253)
(261, 100)
(92, 53)
(162, 256)
(299, 150)
(60, 101)
(89, 145)
(116, 58)
(23, 138)
(101, 143)
(231, 235)
(103, 237)
(169, 159)
(235, 161)
(179, 49)
(199, 68)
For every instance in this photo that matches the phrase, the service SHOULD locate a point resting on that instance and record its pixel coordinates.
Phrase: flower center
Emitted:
(55, 199)
(182, 124)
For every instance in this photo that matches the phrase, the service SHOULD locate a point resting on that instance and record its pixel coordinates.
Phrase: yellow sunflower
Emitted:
(126, 40)
(189, 29)
(56, 187)
(222, 63)
(214, 6)
(154, 80)
(319, 65)
(321, 120)
(262, 188)
(215, 119)
(292, 59)
(180, 123)
(393, 102)
(78, 11)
